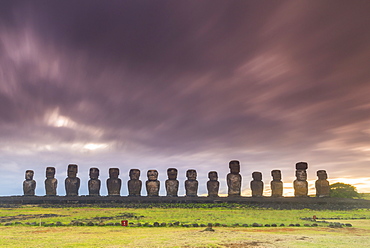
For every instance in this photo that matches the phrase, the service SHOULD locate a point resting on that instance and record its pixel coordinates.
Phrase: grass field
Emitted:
(25, 235)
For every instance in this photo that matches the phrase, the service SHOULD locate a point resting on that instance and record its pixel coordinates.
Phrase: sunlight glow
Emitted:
(53, 118)
(94, 146)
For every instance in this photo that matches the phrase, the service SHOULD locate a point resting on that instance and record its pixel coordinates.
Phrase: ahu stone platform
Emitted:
(122, 201)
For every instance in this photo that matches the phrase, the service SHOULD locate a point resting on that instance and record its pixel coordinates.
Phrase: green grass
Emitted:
(169, 215)
(22, 235)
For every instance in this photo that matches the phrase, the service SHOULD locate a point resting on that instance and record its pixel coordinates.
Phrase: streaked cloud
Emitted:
(187, 85)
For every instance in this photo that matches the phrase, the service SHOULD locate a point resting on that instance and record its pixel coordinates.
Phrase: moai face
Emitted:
(322, 175)
(276, 175)
(257, 176)
(191, 174)
(301, 175)
(50, 172)
(94, 173)
(29, 175)
(152, 175)
(234, 166)
(72, 170)
(172, 173)
(212, 175)
(113, 173)
(134, 174)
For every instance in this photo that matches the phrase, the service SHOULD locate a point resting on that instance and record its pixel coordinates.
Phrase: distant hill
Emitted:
(365, 196)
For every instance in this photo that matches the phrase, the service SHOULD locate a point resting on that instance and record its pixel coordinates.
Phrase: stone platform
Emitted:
(117, 201)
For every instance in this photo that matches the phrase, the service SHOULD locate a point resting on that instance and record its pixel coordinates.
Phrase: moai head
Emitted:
(50, 172)
(72, 170)
(301, 175)
(172, 173)
(113, 173)
(213, 176)
(94, 173)
(29, 175)
(301, 166)
(234, 166)
(257, 176)
(276, 175)
(152, 175)
(191, 174)
(322, 175)
(134, 174)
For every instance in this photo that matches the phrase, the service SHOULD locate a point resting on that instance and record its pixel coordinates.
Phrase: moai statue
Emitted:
(94, 182)
(257, 184)
(276, 184)
(29, 184)
(213, 185)
(172, 184)
(191, 184)
(234, 179)
(134, 184)
(300, 184)
(72, 182)
(152, 184)
(322, 184)
(51, 182)
(114, 183)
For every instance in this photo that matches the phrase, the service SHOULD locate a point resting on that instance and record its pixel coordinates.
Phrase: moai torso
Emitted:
(152, 184)
(300, 188)
(322, 184)
(191, 185)
(51, 183)
(72, 182)
(257, 184)
(134, 184)
(234, 179)
(94, 183)
(172, 184)
(300, 184)
(114, 183)
(213, 185)
(29, 185)
(276, 184)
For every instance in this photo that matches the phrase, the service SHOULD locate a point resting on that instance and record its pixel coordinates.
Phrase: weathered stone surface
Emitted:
(51, 183)
(234, 179)
(134, 184)
(72, 182)
(94, 182)
(257, 184)
(152, 184)
(29, 185)
(172, 184)
(114, 183)
(276, 184)
(300, 184)
(213, 185)
(191, 184)
(322, 184)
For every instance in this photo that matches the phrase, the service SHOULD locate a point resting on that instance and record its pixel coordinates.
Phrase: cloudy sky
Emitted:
(185, 84)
